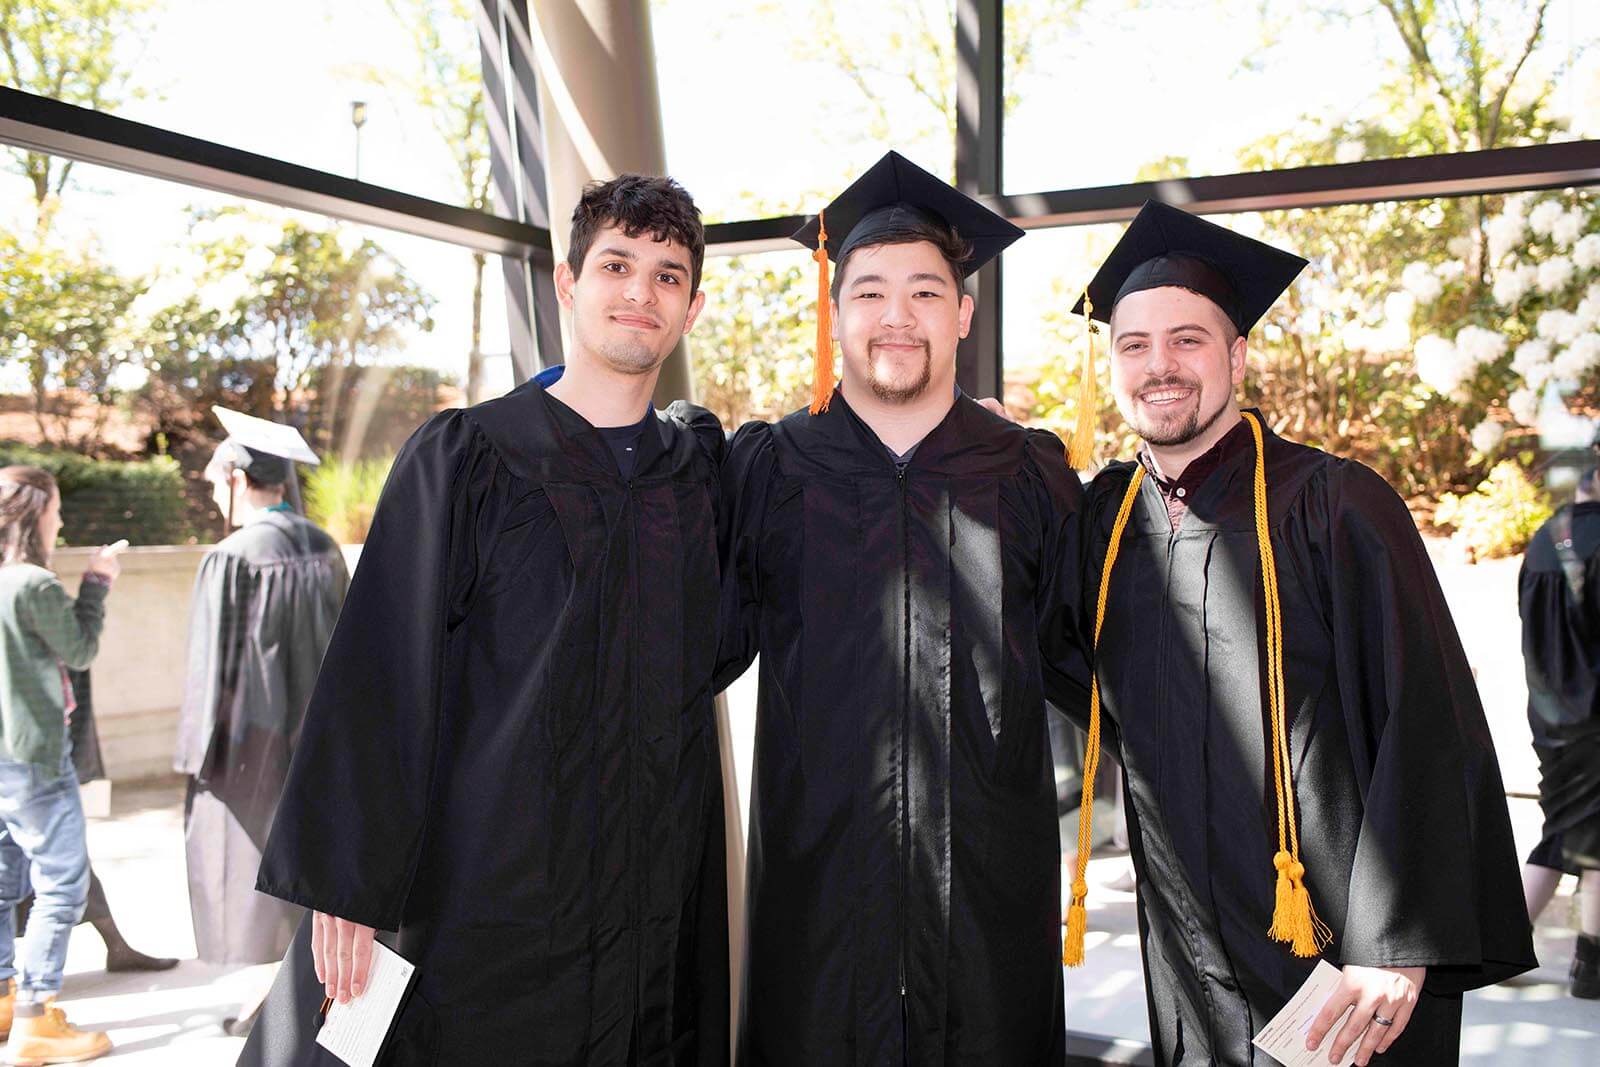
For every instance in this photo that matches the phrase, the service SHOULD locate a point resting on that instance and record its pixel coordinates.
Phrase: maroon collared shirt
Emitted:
(1175, 492)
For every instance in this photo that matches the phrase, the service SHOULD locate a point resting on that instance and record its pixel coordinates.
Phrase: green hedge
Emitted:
(103, 500)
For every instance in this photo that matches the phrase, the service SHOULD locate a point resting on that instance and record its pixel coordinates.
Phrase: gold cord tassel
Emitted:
(1077, 912)
(1294, 921)
(822, 379)
(1081, 448)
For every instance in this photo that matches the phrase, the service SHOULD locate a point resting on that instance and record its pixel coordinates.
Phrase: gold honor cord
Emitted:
(1077, 916)
(1294, 921)
(822, 377)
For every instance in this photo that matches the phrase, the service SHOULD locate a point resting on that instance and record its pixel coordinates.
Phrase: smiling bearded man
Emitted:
(895, 556)
(1307, 760)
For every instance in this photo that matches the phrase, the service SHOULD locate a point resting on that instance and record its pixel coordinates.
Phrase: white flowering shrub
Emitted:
(1526, 350)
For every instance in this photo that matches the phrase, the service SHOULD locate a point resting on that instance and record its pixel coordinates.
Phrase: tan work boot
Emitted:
(8, 1004)
(37, 1040)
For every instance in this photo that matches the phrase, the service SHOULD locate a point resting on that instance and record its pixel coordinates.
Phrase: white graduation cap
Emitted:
(265, 436)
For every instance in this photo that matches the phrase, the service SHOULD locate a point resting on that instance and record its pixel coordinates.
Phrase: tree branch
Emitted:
(1528, 46)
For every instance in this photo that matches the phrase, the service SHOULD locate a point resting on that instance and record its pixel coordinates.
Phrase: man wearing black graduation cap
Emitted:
(265, 601)
(1308, 765)
(894, 555)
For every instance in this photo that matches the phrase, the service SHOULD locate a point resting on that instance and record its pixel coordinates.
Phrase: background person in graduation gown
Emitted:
(1559, 598)
(511, 756)
(889, 552)
(1402, 827)
(265, 601)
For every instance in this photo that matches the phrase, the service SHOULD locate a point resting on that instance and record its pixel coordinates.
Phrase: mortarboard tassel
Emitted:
(822, 379)
(1077, 914)
(1294, 921)
(1081, 448)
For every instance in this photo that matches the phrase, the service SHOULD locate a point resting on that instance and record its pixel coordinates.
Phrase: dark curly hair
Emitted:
(638, 204)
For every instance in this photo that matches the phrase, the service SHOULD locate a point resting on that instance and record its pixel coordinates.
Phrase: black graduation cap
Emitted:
(892, 194)
(895, 192)
(1167, 246)
(1164, 246)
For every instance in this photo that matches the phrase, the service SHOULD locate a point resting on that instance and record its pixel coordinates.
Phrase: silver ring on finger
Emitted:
(1381, 1021)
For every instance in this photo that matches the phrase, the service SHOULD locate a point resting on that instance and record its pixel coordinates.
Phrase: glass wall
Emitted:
(278, 79)
(131, 306)
(772, 108)
(1103, 92)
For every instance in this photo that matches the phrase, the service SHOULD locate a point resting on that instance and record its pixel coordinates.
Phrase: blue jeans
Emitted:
(42, 842)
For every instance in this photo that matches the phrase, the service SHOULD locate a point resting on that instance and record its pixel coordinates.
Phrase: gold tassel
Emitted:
(822, 379)
(1077, 926)
(1080, 450)
(1282, 926)
(1077, 915)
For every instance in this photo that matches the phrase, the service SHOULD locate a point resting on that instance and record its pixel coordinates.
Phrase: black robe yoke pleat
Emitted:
(903, 879)
(511, 755)
(1402, 815)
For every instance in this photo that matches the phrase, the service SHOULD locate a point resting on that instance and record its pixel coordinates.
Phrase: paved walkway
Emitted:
(175, 1019)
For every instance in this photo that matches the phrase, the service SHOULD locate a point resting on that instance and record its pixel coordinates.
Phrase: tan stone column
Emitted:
(602, 117)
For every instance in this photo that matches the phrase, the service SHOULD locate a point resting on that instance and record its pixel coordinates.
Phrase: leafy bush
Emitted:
(1498, 518)
(341, 496)
(103, 500)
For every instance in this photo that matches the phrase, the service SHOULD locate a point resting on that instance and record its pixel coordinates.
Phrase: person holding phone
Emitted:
(44, 633)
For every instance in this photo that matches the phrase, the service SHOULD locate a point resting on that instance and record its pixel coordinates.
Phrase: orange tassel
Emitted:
(822, 380)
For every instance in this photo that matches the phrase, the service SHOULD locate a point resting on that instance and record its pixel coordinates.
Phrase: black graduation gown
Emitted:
(903, 809)
(264, 605)
(1561, 649)
(1403, 825)
(511, 756)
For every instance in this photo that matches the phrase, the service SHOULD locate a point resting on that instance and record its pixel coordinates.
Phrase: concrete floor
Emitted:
(1530, 1023)
(175, 1019)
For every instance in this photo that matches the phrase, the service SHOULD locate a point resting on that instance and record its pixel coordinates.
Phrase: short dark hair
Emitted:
(955, 249)
(637, 204)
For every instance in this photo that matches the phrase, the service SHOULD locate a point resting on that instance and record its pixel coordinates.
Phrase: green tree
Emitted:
(72, 51)
(1333, 361)
(754, 345)
(63, 319)
(445, 78)
(256, 307)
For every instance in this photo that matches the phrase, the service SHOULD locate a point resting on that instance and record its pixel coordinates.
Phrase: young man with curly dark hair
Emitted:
(510, 758)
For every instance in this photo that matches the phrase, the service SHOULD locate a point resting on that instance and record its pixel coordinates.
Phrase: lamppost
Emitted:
(358, 119)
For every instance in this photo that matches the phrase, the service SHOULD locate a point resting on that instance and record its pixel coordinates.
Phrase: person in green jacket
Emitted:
(44, 632)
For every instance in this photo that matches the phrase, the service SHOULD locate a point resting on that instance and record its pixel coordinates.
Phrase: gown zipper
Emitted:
(905, 732)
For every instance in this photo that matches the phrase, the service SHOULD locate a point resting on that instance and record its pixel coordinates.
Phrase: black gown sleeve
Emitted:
(350, 827)
(1435, 881)
(747, 477)
(1059, 500)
